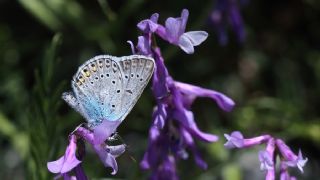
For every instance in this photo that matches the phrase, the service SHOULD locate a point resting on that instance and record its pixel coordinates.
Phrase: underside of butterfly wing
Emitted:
(107, 87)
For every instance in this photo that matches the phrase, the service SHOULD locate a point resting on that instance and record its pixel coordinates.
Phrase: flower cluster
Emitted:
(173, 128)
(71, 160)
(224, 12)
(267, 157)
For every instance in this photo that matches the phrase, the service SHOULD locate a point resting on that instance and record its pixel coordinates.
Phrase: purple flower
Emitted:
(167, 170)
(236, 140)
(108, 155)
(149, 25)
(103, 131)
(96, 138)
(291, 159)
(174, 127)
(192, 92)
(68, 161)
(284, 174)
(174, 33)
(268, 156)
(224, 12)
(267, 159)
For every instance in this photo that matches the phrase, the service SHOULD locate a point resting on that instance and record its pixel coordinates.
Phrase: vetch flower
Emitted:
(174, 33)
(236, 140)
(71, 161)
(284, 174)
(149, 25)
(266, 160)
(291, 159)
(108, 155)
(192, 92)
(68, 161)
(174, 126)
(267, 157)
(96, 138)
(173, 129)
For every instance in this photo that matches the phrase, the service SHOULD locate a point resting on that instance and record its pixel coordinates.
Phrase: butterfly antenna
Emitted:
(80, 125)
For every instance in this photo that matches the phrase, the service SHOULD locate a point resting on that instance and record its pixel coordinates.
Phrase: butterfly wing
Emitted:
(103, 89)
(136, 72)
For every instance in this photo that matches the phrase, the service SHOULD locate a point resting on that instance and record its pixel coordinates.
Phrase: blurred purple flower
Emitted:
(268, 156)
(224, 12)
(284, 174)
(291, 159)
(236, 140)
(267, 159)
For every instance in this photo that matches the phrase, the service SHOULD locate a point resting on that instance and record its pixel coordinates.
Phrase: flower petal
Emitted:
(196, 37)
(160, 115)
(107, 158)
(291, 159)
(265, 160)
(173, 29)
(159, 83)
(186, 118)
(144, 46)
(222, 100)
(149, 25)
(104, 130)
(67, 162)
(235, 140)
(117, 150)
(80, 175)
(185, 44)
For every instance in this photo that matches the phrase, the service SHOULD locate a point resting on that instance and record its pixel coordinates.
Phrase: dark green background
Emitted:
(273, 77)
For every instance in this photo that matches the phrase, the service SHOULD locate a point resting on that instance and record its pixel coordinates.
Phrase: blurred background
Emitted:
(271, 70)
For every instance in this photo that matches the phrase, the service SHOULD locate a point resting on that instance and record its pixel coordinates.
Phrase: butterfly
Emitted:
(105, 88)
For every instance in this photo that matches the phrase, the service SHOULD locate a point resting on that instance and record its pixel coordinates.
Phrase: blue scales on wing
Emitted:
(107, 87)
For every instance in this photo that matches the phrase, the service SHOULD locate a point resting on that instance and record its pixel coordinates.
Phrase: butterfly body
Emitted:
(107, 87)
